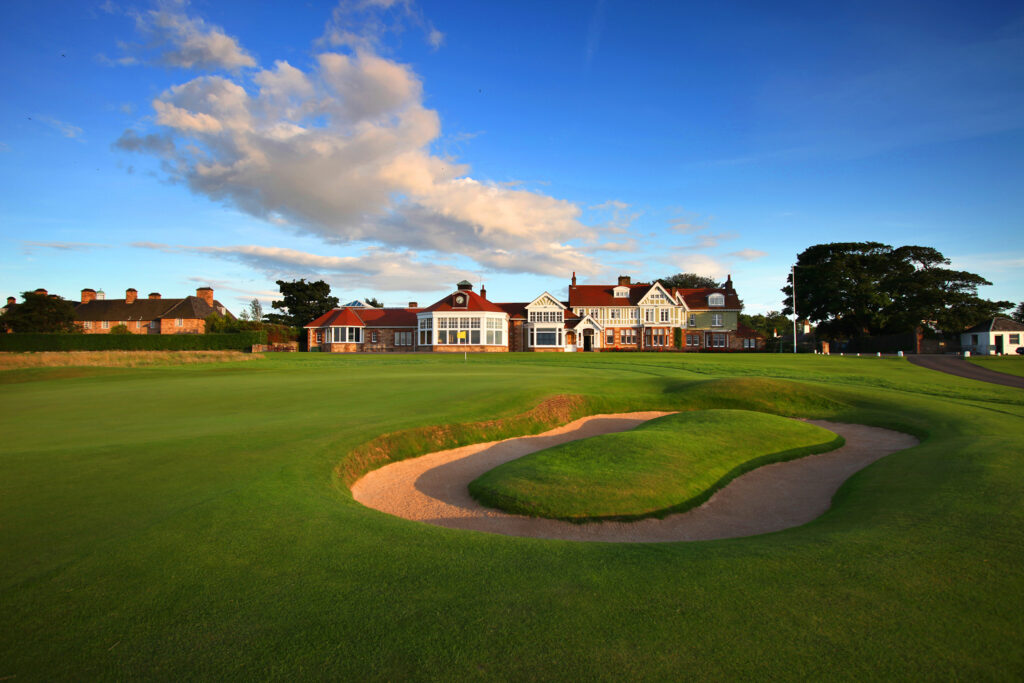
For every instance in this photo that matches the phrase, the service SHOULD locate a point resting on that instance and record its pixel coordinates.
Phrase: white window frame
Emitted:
(716, 319)
(105, 324)
(87, 325)
(716, 300)
(665, 315)
(179, 322)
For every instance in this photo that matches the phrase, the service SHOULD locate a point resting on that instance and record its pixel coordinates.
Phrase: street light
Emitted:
(793, 275)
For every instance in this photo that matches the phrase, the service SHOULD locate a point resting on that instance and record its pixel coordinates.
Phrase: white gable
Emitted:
(545, 300)
(656, 291)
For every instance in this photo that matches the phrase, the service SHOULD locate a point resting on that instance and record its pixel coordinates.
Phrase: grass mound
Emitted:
(664, 466)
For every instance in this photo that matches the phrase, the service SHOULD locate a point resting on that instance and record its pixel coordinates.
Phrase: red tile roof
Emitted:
(697, 299)
(367, 317)
(514, 310)
(475, 302)
(388, 317)
(604, 295)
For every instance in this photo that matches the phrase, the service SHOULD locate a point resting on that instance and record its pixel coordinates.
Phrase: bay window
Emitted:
(346, 335)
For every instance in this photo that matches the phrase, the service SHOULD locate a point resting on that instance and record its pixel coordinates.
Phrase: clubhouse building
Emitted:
(623, 317)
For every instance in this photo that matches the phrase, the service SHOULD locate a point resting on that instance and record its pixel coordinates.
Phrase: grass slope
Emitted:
(1011, 365)
(188, 523)
(663, 466)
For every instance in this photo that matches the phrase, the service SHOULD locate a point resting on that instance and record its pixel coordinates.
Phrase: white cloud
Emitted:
(748, 254)
(342, 151)
(64, 128)
(701, 265)
(709, 241)
(375, 268)
(29, 246)
(187, 42)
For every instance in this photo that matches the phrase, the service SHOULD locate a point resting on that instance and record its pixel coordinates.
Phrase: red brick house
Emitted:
(96, 314)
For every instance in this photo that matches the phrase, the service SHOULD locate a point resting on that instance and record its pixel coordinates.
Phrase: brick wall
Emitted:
(134, 326)
(188, 326)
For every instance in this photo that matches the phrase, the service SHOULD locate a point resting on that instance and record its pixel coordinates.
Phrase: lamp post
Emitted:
(793, 275)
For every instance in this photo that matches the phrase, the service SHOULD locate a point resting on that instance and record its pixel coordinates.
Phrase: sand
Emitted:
(433, 488)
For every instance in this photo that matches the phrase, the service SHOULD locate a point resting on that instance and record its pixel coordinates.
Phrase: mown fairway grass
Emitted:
(188, 523)
(663, 466)
(1011, 365)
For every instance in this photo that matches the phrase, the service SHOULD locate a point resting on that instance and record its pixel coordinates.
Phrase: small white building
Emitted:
(995, 336)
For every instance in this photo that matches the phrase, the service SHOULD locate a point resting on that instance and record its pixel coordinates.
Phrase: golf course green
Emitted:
(668, 465)
(196, 522)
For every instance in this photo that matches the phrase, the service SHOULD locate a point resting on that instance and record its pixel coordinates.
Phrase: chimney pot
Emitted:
(483, 291)
(574, 278)
(413, 304)
(623, 280)
(130, 295)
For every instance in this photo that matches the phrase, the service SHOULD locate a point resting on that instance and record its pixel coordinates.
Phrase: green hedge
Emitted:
(131, 342)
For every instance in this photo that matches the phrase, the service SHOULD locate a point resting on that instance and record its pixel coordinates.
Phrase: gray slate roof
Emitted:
(997, 325)
(147, 309)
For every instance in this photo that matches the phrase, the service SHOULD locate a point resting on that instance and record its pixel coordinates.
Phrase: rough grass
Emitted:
(187, 522)
(664, 466)
(117, 359)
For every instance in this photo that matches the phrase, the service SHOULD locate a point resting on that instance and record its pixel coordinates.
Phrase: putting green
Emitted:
(663, 466)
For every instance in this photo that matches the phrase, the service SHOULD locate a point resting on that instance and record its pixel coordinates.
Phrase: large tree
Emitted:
(1018, 313)
(40, 312)
(689, 281)
(302, 302)
(767, 324)
(863, 288)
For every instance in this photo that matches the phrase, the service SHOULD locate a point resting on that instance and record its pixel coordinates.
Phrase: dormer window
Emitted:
(621, 292)
(716, 300)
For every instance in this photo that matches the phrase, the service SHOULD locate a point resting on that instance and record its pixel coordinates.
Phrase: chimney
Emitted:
(40, 291)
(413, 304)
(88, 295)
(154, 295)
(465, 285)
(483, 291)
(623, 280)
(728, 281)
(206, 294)
(130, 295)
(574, 278)
(11, 300)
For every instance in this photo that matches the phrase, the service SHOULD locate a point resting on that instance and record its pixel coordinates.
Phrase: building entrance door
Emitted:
(588, 340)
(999, 344)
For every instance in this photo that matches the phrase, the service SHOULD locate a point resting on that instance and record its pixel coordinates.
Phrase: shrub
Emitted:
(119, 329)
(130, 342)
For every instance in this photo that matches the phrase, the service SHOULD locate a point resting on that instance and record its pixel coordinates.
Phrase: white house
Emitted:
(993, 337)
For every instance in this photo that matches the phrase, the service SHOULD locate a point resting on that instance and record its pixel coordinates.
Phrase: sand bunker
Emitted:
(433, 488)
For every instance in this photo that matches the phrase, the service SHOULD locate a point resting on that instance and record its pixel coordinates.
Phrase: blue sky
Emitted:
(394, 148)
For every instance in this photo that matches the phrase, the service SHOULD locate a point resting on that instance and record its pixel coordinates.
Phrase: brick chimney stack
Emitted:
(574, 278)
(88, 295)
(11, 300)
(206, 294)
(130, 295)
(413, 304)
(41, 291)
(154, 295)
(623, 280)
(483, 291)
(728, 281)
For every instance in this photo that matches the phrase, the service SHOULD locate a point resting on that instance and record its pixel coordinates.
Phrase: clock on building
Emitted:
(459, 299)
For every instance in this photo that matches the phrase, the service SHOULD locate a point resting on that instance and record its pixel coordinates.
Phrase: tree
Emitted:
(1018, 313)
(866, 288)
(373, 302)
(303, 302)
(768, 324)
(255, 311)
(689, 281)
(40, 312)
